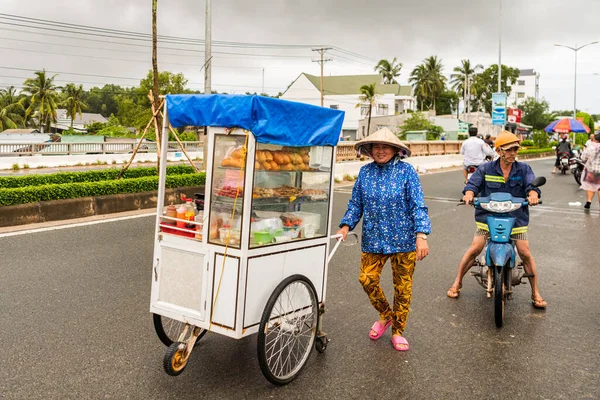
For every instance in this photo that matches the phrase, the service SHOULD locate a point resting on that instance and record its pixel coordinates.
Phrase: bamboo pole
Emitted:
(154, 114)
(181, 145)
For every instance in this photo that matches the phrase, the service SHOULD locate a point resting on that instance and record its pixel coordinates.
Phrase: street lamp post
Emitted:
(575, 49)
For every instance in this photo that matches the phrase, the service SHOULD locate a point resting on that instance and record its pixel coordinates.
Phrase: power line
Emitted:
(129, 35)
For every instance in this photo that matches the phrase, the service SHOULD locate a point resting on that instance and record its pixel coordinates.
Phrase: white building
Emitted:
(343, 92)
(63, 122)
(527, 85)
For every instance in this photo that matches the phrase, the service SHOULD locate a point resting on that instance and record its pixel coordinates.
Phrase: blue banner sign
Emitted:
(499, 109)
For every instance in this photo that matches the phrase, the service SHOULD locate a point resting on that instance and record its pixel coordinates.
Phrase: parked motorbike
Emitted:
(499, 270)
(576, 166)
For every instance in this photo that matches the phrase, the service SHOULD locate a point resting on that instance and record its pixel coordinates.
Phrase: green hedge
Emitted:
(87, 176)
(33, 194)
(536, 151)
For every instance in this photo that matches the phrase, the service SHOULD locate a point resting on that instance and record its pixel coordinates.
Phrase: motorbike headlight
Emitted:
(500, 206)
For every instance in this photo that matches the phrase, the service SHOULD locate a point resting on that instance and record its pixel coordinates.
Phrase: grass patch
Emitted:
(15, 167)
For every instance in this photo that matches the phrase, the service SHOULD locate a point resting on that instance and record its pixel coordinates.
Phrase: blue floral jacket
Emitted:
(390, 198)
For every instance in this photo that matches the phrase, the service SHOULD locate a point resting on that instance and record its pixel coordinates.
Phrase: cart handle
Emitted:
(338, 242)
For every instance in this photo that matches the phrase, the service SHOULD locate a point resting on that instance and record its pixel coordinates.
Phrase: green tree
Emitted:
(368, 95)
(486, 83)
(73, 101)
(428, 81)
(168, 82)
(44, 95)
(418, 122)
(536, 113)
(587, 119)
(462, 73)
(389, 70)
(11, 109)
(447, 102)
(417, 79)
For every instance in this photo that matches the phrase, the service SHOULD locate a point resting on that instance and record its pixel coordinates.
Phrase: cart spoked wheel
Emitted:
(168, 330)
(175, 359)
(287, 330)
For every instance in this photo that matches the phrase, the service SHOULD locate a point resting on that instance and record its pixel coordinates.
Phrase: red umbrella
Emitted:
(567, 125)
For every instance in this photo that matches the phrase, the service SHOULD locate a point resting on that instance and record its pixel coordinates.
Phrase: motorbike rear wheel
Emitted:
(499, 295)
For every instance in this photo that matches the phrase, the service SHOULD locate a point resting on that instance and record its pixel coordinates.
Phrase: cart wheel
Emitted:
(174, 361)
(321, 344)
(168, 330)
(287, 330)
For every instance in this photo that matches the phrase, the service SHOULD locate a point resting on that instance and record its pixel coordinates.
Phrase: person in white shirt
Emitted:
(474, 151)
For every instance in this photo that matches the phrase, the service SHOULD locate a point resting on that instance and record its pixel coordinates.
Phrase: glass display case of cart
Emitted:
(290, 193)
(227, 191)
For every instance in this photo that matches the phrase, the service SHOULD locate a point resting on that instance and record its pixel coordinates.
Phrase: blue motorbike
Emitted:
(499, 268)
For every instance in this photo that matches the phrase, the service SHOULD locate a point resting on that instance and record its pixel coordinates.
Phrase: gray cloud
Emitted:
(409, 30)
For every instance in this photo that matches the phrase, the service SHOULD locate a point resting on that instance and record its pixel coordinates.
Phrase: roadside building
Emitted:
(527, 86)
(343, 93)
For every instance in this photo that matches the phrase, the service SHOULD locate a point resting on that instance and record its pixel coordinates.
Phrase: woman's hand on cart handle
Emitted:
(344, 232)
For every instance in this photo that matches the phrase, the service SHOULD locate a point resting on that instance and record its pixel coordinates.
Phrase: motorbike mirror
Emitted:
(539, 181)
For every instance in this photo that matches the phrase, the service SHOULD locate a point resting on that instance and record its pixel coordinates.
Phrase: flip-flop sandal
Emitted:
(540, 304)
(378, 329)
(400, 343)
(454, 293)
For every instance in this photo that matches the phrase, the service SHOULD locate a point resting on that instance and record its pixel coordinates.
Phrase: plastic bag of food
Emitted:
(270, 225)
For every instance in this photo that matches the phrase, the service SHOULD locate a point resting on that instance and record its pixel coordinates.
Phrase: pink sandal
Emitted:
(400, 343)
(378, 329)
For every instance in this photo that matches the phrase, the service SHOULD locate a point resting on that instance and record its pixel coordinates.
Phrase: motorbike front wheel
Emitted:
(499, 296)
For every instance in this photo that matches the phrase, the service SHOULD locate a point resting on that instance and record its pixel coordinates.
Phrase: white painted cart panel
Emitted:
(264, 273)
(224, 303)
(181, 275)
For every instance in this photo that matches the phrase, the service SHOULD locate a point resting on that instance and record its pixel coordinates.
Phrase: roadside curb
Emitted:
(56, 210)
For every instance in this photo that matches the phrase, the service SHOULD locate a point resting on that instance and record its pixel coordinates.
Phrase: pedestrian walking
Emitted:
(388, 196)
(590, 180)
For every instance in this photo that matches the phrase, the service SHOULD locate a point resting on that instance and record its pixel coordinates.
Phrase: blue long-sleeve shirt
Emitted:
(488, 178)
(390, 199)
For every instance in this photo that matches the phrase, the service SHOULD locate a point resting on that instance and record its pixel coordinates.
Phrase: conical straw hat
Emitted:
(384, 136)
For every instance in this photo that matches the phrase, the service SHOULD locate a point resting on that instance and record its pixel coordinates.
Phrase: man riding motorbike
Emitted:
(474, 151)
(564, 147)
(503, 175)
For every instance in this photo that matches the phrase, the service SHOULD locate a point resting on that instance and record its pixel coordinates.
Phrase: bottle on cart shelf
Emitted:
(190, 214)
(171, 212)
(181, 216)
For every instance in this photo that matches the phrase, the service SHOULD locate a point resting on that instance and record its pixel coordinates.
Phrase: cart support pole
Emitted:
(162, 170)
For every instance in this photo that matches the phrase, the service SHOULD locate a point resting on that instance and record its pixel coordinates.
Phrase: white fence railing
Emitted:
(57, 148)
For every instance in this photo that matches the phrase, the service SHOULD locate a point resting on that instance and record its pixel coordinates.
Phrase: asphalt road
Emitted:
(75, 321)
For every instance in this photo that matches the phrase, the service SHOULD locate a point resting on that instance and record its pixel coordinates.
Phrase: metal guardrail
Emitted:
(346, 152)
(57, 148)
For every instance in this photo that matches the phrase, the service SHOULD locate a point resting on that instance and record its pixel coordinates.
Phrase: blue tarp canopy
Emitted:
(272, 121)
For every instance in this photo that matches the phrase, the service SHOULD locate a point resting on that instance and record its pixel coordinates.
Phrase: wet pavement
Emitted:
(75, 321)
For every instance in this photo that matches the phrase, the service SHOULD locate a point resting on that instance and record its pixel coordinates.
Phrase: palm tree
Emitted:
(73, 101)
(418, 78)
(43, 98)
(435, 81)
(461, 75)
(11, 109)
(388, 70)
(369, 96)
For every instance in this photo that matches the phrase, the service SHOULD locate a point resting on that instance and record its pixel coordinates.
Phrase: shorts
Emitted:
(465, 166)
(520, 234)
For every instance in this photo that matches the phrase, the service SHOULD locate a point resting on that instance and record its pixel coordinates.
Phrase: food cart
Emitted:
(255, 260)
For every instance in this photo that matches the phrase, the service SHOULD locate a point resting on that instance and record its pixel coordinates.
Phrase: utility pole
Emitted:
(207, 72)
(321, 61)
(263, 81)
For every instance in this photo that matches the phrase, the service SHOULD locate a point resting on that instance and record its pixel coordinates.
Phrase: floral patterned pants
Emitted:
(403, 266)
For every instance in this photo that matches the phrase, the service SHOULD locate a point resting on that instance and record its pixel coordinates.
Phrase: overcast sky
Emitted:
(362, 32)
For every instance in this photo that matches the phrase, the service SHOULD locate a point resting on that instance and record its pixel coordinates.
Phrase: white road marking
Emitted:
(59, 227)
